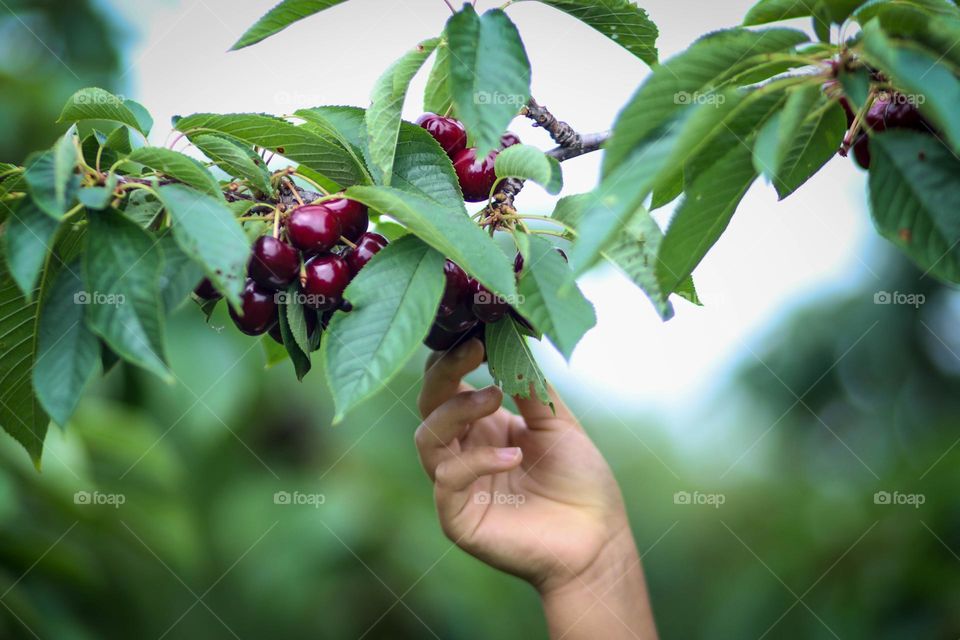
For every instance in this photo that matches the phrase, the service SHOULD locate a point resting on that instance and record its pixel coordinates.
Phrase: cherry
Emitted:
(476, 179)
(274, 264)
(314, 228)
(368, 246)
(875, 116)
(509, 139)
(353, 216)
(861, 151)
(456, 289)
(459, 320)
(206, 291)
(486, 306)
(450, 133)
(259, 308)
(274, 332)
(439, 339)
(326, 278)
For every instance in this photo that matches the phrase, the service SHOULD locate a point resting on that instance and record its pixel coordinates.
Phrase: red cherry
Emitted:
(486, 306)
(353, 216)
(273, 264)
(259, 308)
(450, 133)
(206, 291)
(861, 151)
(476, 180)
(326, 278)
(368, 246)
(509, 139)
(875, 115)
(460, 319)
(314, 228)
(456, 289)
(439, 339)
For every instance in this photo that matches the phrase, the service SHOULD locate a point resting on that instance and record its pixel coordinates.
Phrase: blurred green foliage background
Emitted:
(844, 399)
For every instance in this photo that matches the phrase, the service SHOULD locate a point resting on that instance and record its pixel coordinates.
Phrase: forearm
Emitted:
(610, 601)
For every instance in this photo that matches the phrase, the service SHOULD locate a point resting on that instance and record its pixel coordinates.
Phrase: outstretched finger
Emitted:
(444, 372)
(448, 421)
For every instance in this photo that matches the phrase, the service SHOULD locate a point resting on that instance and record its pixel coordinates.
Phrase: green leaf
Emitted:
(530, 163)
(178, 166)
(767, 11)
(67, 351)
(511, 362)
(297, 320)
(144, 119)
(620, 20)
(346, 125)
(27, 239)
(298, 355)
(206, 230)
(97, 104)
(914, 199)
(318, 151)
(281, 17)
(423, 168)
(561, 312)
(98, 198)
(394, 299)
(180, 273)
(436, 95)
(633, 252)
(50, 175)
(142, 207)
(803, 148)
(451, 233)
(21, 414)
(122, 276)
(918, 73)
(386, 104)
(687, 79)
(932, 23)
(489, 74)
(701, 218)
(236, 160)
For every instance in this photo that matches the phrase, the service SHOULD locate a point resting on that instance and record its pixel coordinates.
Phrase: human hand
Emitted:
(530, 495)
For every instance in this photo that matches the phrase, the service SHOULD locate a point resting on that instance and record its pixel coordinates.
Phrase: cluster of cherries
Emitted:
(890, 110)
(326, 246)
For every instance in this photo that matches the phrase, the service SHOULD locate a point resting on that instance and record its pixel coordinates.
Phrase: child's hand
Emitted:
(530, 495)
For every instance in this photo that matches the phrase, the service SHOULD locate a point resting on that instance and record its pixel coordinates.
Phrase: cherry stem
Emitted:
(276, 222)
(544, 232)
(447, 2)
(293, 189)
(347, 242)
(547, 219)
(858, 120)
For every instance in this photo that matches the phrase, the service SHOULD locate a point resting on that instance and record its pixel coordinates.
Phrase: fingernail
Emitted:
(508, 454)
(483, 395)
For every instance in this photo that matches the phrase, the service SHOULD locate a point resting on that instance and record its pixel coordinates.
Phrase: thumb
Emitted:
(537, 415)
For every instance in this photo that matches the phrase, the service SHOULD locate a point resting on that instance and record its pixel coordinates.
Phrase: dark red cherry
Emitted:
(460, 319)
(273, 264)
(903, 114)
(861, 151)
(314, 228)
(448, 132)
(206, 291)
(368, 246)
(274, 332)
(509, 139)
(259, 308)
(439, 339)
(456, 289)
(353, 216)
(476, 180)
(875, 114)
(326, 278)
(486, 306)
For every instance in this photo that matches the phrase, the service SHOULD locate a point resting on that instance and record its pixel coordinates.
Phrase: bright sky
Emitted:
(774, 256)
